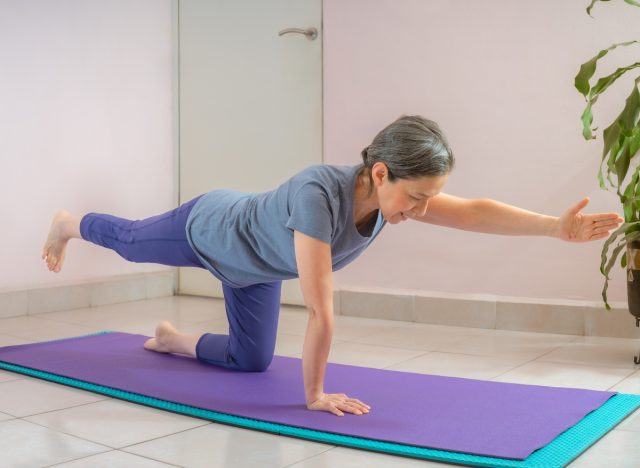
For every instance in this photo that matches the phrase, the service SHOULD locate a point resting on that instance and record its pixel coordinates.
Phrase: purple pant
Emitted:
(252, 311)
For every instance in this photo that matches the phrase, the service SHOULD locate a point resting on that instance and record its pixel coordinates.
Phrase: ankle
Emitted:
(71, 227)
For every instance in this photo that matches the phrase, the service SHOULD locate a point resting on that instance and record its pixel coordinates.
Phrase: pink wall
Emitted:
(498, 77)
(87, 115)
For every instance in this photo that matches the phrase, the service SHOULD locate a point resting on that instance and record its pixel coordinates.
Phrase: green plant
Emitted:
(621, 145)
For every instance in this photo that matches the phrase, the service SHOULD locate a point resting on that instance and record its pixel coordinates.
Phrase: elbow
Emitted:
(321, 318)
(476, 213)
(477, 205)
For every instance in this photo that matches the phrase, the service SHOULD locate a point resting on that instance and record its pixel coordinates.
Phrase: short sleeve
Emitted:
(311, 213)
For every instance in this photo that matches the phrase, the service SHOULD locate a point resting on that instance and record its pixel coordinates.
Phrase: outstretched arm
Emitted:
(313, 258)
(493, 217)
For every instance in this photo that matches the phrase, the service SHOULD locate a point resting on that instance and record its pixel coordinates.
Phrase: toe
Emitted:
(150, 343)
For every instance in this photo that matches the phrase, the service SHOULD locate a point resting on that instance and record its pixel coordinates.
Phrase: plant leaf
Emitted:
(634, 141)
(587, 69)
(607, 260)
(612, 157)
(587, 120)
(605, 248)
(601, 179)
(611, 135)
(622, 163)
(610, 258)
(628, 210)
(629, 115)
(628, 199)
(593, 2)
(603, 83)
(619, 140)
(636, 200)
(600, 87)
(609, 265)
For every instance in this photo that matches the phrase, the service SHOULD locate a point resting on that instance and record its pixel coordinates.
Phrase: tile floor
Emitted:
(43, 424)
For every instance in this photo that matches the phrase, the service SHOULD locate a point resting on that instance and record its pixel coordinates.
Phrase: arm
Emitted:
(493, 217)
(313, 258)
(314, 269)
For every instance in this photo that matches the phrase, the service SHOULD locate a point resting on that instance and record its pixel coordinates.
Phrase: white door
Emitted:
(250, 103)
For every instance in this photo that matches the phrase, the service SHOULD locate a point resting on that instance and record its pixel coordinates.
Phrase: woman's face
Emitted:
(407, 198)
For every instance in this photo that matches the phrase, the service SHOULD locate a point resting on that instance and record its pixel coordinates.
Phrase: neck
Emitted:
(363, 203)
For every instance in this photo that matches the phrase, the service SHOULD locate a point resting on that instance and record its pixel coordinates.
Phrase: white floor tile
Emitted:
(10, 326)
(54, 331)
(508, 344)
(27, 397)
(459, 365)
(562, 375)
(23, 444)
(350, 458)
(6, 376)
(220, 326)
(192, 309)
(289, 345)
(596, 352)
(83, 316)
(425, 338)
(100, 319)
(196, 309)
(8, 340)
(365, 355)
(116, 423)
(629, 385)
(352, 328)
(292, 322)
(221, 446)
(114, 459)
(619, 449)
(631, 423)
(81, 425)
(292, 326)
(179, 311)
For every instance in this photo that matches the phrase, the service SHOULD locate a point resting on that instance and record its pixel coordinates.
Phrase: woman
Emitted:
(315, 223)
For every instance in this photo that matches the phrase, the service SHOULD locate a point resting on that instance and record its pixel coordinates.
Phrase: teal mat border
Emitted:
(559, 452)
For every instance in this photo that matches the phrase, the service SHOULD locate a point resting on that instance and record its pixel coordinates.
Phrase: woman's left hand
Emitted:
(575, 226)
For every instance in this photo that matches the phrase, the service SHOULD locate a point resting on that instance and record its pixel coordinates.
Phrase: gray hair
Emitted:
(410, 147)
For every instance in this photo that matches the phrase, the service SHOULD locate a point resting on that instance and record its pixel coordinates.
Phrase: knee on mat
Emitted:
(254, 363)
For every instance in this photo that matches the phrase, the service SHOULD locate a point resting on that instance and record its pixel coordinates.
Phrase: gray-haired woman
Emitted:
(317, 222)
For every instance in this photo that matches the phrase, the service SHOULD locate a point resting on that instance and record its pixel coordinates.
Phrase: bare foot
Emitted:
(62, 229)
(162, 343)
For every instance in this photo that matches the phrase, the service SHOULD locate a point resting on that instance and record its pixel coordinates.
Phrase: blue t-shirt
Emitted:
(247, 238)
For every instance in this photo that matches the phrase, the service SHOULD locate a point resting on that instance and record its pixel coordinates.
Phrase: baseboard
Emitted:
(115, 289)
(569, 317)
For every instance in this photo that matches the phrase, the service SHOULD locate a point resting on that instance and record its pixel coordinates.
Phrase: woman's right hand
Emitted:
(338, 404)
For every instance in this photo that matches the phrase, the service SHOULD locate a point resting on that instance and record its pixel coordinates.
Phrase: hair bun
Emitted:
(365, 156)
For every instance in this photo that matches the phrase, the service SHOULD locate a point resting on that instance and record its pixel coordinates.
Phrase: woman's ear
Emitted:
(379, 173)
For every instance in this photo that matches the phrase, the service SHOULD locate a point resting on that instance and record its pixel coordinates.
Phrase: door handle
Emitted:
(311, 33)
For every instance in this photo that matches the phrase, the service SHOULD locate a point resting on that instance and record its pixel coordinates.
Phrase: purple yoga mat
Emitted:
(462, 415)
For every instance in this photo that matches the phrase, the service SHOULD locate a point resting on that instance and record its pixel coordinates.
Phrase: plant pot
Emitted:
(633, 278)
(633, 283)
